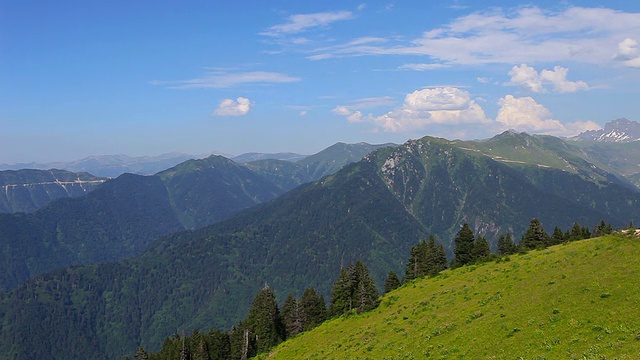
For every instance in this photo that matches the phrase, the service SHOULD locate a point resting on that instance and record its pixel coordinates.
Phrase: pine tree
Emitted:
(436, 257)
(535, 237)
(341, 297)
(417, 266)
(392, 282)
(481, 249)
(367, 294)
(557, 237)
(463, 251)
(264, 321)
(354, 289)
(292, 316)
(313, 308)
(575, 233)
(220, 345)
(506, 245)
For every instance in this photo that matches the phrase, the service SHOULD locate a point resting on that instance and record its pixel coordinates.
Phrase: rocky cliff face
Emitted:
(619, 130)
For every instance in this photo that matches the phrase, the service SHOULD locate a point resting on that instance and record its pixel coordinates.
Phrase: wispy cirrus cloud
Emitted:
(302, 22)
(221, 80)
(521, 35)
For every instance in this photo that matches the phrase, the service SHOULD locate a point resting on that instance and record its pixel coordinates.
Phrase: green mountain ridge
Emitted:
(127, 213)
(374, 210)
(28, 189)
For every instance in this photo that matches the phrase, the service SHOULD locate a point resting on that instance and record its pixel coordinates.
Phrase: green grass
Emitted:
(575, 301)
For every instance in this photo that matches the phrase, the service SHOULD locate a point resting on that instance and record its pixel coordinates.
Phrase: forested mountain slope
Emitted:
(374, 210)
(28, 189)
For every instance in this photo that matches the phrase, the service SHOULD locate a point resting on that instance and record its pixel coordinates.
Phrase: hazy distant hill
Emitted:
(110, 165)
(374, 210)
(248, 157)
(27, 190)
(288, 175)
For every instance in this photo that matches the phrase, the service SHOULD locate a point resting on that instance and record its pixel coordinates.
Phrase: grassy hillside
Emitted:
(575, 301)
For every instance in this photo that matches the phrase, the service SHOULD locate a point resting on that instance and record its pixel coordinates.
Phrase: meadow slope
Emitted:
(575, 301)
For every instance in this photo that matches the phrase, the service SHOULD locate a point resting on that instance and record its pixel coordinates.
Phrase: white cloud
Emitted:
(423, 67)
(302, 22)
(221, 79)
(342, 110)
(229, 107)
(525, 114)
(525, 34)
(421, 108)
(527, 78)
(482, 80)
(628, 53)
(303, 113)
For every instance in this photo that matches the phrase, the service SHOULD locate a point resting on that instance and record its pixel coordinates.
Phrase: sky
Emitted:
(81, 78)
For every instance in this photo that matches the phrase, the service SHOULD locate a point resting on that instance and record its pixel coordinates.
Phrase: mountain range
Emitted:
(619, 131)
(373, 210)
(27, 190)
(123, 215)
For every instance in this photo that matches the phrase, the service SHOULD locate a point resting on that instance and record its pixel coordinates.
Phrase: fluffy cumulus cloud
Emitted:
(528, 79)
(628, 53)
(229, 107)
(525, 114)
(421, 108)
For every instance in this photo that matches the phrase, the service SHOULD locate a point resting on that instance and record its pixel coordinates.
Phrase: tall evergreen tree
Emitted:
(354, 289)
(481, 249)
(293, 316)
(264, 321)
(436, 257)
(557, 237)
(576, 232)
(341, 296)
(219, 345)
(417, 264)
(392, 282)
(313, 308)
(463, 251)
(506, 245)
(535, 237)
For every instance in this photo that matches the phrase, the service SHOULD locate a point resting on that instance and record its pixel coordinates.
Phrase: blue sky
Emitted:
(80, 78)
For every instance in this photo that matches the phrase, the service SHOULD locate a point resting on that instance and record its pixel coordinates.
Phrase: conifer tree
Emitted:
(392, 282)
(220, 345)
(367, 294)
(436, 257)
(313, 308)
(417, 264)
(292, 316)
(506, 245)
(481, 249)
(463, 251)
(264, 321)
(557, 237)
(535, 237)
(575, 233)
(341, 297)
(354, 289)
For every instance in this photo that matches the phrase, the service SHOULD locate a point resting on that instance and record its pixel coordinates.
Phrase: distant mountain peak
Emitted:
(620, 130)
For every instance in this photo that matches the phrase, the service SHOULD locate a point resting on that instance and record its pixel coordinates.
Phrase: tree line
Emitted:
(354, 291)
